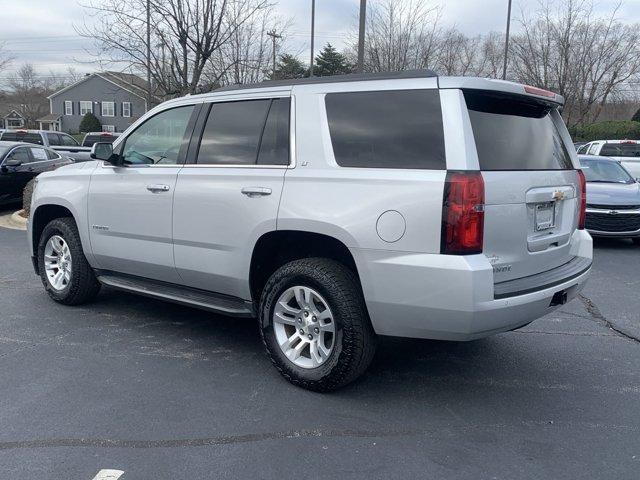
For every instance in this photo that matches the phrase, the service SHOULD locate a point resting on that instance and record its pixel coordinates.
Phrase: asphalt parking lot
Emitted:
(162, 391)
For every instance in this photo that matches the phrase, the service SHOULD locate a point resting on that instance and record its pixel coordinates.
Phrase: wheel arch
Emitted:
(40, 217)
(275, 248)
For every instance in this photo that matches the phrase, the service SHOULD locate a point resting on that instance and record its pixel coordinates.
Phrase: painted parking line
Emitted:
(108, 474)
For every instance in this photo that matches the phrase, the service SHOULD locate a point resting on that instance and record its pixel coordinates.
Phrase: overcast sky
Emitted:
(41, 31)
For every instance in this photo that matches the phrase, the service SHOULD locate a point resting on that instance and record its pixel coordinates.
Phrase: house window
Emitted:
(126, 109)
(86, 107)
(108, 109)
(108, 128)
(68, 107)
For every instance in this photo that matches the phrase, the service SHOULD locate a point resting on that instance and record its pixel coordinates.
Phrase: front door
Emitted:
(229, 196)
(131, 206)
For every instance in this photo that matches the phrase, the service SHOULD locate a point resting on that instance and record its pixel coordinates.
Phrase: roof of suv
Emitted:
(465, 83)
(351, 77)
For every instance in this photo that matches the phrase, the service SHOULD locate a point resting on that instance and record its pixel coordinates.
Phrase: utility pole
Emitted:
(313, 23)
(148, 54)
(363, 14)
(274, 36)
(506, 43)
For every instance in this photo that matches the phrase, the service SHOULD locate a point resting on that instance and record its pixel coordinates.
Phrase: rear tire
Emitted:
(636, 241)
(65, 273)
(333, 291)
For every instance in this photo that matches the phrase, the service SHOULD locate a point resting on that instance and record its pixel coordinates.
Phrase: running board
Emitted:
(192, 297)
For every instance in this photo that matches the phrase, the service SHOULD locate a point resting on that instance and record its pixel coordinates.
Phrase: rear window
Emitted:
(515, 134)
(620, 150)
(89, 140)
(387, 129)
(22, 137)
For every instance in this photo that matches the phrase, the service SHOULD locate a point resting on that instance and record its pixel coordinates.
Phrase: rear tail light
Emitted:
(583, 200)
(462, 213)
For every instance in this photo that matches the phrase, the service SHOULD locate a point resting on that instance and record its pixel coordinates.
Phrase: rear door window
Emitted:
(387, 129)
(232, 133)
(68, 141)
(22, 137)
(54, 139)
(512, 133)
(274, 146)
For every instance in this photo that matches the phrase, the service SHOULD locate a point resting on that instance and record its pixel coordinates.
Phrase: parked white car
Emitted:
(334, 209)
(627, 152)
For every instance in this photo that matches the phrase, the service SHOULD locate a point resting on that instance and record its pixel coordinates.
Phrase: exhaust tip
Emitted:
(559, 298)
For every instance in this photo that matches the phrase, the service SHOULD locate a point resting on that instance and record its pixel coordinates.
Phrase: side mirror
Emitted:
(104, 151)
(12, 162)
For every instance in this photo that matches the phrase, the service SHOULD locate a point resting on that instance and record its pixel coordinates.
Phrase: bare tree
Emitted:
(247, 56)
(400, 35)
(186, 35)
(5, 59)
(585, 58)
(28, 94)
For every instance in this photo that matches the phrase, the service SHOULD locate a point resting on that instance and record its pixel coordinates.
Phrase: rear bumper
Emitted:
(452, 297)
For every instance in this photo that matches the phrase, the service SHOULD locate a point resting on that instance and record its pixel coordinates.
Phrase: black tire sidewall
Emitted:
(333, 371)
(60, 227)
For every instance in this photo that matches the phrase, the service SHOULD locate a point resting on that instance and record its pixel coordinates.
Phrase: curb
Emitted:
(14, 221)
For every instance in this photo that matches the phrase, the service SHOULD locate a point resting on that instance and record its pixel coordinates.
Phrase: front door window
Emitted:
(159, 140)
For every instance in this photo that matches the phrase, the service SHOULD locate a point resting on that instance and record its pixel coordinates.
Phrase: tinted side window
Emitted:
(274, 147)
(159, 139)
(54, 139)
(232, 133)
(387, 129)
(68, 141)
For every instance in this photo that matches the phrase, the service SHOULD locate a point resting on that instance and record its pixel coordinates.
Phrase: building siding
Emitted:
(96, 90)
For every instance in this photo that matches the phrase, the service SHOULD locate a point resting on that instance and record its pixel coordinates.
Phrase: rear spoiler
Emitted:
(474, 83)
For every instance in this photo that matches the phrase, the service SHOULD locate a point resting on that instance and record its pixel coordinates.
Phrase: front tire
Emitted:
(65, 273)
(636, 241)
(314, 324)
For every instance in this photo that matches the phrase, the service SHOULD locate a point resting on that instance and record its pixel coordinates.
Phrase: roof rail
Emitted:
(352, 77)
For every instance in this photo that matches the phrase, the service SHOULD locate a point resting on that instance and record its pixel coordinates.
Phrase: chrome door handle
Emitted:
(256, 191)
(158, 188)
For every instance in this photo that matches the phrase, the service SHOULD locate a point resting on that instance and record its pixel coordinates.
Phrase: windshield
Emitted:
(620, 150)
(605, 171)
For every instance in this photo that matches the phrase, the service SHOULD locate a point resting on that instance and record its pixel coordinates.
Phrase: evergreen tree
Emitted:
(90, 123)
(289, 67)
(331, 62)
(636, 116)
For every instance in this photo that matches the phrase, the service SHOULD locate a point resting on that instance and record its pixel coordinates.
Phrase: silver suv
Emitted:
(333, 210)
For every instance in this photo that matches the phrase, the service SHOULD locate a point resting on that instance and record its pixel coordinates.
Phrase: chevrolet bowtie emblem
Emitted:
(558, 195)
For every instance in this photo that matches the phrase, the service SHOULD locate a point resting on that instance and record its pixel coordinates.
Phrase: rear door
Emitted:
(531, 184)
(228, 196)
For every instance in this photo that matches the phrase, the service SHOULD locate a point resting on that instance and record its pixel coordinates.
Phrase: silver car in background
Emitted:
(613, 199)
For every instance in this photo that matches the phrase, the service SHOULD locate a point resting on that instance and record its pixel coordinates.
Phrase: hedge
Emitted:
(612, 130)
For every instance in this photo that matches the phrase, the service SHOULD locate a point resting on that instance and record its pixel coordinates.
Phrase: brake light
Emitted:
(462, 213)
(583, 200)
(539, 92)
